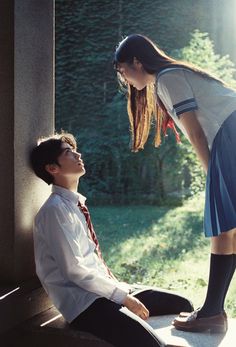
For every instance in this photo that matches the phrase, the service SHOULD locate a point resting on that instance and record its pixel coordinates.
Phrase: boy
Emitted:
(69, 262)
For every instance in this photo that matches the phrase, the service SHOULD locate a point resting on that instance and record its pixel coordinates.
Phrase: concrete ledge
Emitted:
(20, 302)
(50, 329)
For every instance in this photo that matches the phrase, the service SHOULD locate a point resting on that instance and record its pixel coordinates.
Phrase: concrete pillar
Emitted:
(26, 113)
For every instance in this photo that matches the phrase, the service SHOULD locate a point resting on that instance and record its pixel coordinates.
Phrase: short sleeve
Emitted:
(175, 92)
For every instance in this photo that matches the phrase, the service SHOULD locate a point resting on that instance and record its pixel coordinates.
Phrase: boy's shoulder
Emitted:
(53, 203)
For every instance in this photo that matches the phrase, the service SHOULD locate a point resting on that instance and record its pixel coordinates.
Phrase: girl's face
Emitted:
(135, 75)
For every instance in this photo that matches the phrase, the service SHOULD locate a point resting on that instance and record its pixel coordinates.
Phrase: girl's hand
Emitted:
(135, 306)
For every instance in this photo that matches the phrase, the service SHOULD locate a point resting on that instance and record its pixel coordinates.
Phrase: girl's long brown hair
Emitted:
(144, 105)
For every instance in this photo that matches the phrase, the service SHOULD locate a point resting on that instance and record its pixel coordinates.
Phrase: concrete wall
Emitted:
(26, 113)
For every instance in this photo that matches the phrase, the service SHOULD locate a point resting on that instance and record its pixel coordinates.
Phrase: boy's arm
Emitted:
(73, 268)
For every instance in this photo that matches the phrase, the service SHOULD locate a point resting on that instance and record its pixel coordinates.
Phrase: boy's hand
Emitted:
(135, 306)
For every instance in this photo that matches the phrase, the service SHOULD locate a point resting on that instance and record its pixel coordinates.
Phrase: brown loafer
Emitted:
(216, 324)
(187, 314)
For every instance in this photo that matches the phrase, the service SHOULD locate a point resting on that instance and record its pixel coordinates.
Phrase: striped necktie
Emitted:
(93, 235)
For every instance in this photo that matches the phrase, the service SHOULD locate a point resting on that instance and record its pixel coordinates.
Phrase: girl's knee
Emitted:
(223, 244)
(228, 235)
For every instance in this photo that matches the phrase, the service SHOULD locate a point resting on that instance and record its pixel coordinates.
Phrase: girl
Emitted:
(204, 108)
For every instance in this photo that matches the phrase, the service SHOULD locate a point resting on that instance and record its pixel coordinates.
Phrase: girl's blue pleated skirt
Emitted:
(220, 205)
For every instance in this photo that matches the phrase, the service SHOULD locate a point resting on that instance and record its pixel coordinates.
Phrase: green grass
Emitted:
(159, 246)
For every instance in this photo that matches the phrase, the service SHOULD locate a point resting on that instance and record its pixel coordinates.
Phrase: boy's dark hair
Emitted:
(47, 152)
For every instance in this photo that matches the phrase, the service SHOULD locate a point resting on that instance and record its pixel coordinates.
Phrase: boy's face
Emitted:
(70, 163)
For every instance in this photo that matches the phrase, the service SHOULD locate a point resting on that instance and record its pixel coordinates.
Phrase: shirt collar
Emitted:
(69, 195)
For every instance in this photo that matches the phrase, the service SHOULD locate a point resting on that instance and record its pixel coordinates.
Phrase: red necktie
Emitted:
(93, 235)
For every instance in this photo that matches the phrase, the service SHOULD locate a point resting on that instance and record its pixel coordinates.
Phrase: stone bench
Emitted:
(50, 329)
(24, 308)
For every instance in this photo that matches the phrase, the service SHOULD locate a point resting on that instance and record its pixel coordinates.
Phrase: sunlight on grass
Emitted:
(159, 246)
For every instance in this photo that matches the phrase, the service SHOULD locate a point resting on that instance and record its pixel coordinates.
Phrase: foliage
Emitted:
(122, 176)
(192, 169)
(201, 52)
(89, 105)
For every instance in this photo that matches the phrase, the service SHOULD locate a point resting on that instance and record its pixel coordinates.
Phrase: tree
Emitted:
(201, 52)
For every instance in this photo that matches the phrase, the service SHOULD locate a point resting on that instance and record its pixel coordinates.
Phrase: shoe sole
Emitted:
(215, 329)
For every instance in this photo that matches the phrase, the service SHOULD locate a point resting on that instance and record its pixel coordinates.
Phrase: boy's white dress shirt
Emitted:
(66, 263)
